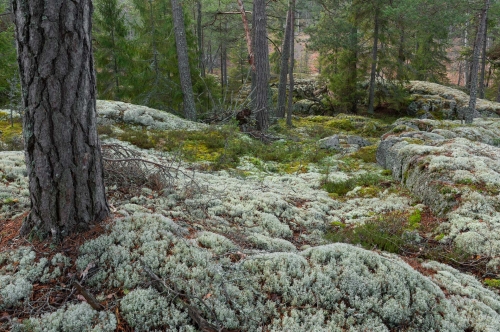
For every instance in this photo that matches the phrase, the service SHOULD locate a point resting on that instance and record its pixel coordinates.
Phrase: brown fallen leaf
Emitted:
(86, 271)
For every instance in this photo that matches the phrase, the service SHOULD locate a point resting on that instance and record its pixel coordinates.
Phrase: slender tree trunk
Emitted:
(469, 115)
(292, 64)
(115, 65)
(248, 36)
(483, 60)
(200, 39)
(371, 96)
(285, 56)
(467, 62)
(253, 99)
(459, 74)
(401, 54)
(183, 61)
(261, 52)
(353, 68)
(62, 149)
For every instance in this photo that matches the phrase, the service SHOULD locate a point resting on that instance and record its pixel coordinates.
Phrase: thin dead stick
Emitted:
(89, 297)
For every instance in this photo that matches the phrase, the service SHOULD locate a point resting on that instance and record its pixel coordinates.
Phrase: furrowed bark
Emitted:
(261, 66)
(62, 149)
(183, 61)
(469, 114)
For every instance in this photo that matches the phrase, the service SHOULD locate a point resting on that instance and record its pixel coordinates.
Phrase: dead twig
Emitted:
(89, 297)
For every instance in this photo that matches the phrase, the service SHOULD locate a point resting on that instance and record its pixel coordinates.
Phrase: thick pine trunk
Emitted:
(62, 149)
(183, 61)
(292, 64)
(469, 115)
(285, 56)
(261, 51)
(371, 96)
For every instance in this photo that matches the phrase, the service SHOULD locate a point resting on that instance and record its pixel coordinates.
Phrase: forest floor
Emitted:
(215, 230)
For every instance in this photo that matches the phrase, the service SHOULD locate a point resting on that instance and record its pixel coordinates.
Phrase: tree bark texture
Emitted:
(199, 30)
(371, 96)
(183, 61)
(62, 148)
(292, 64)
(469, 114)
(261, 51)
(483, 59)
(285, 56)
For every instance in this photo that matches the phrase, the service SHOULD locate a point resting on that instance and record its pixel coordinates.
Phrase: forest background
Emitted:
(345, 45)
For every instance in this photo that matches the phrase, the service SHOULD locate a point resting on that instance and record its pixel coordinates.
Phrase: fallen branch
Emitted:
(88, 297)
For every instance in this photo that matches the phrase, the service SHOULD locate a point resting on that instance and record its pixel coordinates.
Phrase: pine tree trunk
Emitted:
(469, 114)
(353, 70)
(371, 96)
(183, 61)
(62, 148)
(285, 55)
(253, 94)
(200, 39)
(292, 64)
(483, 60)
(261, 51)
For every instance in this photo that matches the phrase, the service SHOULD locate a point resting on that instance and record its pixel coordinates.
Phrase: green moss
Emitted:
(387, 172)
(414, 219)
(11, 135)
(324, 126)
(385, 233)
(465, 181)
(342, 187)
(495, 283)
(439, 237)
(337, 224)
(367, 154)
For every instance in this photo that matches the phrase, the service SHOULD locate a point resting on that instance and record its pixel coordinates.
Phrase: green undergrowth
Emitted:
(10, 134)
(324, 126)
(222, 147)
(402, 233)
(371, 184)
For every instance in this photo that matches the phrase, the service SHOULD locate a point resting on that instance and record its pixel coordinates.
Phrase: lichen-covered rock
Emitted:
(115, 111)
(331, 142)
(442, 102)
(457, 177)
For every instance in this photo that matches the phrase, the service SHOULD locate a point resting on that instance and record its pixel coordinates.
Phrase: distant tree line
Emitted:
(361, 44)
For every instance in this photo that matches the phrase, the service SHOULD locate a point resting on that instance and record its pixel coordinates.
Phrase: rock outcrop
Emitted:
(455, 170)
(435, 101)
